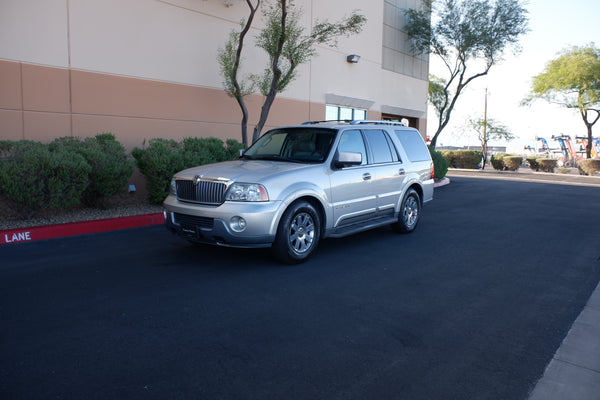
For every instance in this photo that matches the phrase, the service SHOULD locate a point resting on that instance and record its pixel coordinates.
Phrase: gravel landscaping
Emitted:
(118, 206)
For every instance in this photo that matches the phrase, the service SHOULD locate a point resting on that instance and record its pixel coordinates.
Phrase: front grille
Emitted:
(208, 192)
(193, 222)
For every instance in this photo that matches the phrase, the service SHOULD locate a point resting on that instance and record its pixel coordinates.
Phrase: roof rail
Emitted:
(356, 122)
(376, 122)
(325, 121)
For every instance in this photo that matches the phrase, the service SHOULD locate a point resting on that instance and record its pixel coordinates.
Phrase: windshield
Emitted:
(293, 144)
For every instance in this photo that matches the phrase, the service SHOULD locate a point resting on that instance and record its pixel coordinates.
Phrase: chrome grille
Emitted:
(208, 192)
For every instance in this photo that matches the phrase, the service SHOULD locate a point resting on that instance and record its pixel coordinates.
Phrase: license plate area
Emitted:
(190, 232)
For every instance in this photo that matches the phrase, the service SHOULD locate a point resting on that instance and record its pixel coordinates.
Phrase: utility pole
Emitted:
(484, 130)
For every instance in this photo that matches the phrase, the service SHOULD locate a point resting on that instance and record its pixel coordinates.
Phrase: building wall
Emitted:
(147, 68)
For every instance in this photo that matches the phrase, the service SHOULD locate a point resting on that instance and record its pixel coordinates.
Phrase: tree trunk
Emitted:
(589, 125)
(484, 148)
(244, 122)
(270, 97)
(238, 56)
(264, 113)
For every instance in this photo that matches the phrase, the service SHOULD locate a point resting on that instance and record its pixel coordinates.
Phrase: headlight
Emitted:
(173, 187)
(247, 192)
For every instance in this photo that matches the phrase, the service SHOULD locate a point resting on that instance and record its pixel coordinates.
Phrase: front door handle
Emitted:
(366, 176)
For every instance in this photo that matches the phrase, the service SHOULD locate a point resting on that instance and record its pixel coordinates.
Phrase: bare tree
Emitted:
(488, 129)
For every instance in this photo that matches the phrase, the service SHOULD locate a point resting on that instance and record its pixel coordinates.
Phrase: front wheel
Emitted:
(410, 213)
(298, 233)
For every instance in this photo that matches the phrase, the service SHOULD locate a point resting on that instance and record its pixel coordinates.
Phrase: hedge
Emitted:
(440, 164)
(163, 158)
(34, 177)
(588, 166)
(468, 159)
(512, 163)
(497, 161)
(111, 166)
(547, 164)
(533, 163)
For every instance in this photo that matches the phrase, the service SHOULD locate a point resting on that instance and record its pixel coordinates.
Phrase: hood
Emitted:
(250, 171)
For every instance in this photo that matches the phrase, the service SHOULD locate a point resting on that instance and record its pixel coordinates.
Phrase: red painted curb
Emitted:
(78, 228)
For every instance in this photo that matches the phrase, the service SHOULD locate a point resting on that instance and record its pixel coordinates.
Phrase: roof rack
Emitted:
(326, 121)
(376, 122)
(356, 122)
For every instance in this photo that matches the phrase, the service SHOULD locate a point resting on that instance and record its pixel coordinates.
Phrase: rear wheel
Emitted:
(410, 213)
(298, 233)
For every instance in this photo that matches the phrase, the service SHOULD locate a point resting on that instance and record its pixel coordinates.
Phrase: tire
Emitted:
(298, 233)
(410, 213)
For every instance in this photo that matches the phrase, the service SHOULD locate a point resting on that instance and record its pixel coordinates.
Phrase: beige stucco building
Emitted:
(147, 68)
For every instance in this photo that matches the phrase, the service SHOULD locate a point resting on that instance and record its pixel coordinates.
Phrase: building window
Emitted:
(398, 55)
(339, 113)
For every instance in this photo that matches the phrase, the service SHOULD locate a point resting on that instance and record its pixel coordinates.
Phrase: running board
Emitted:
(355, 228)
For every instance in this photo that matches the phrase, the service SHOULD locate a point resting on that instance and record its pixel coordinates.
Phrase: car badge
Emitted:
(197, 180)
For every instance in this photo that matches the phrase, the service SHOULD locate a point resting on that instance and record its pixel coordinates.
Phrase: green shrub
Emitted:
(512, 163)
(233, 148)
(533, 163)
(111, 167)
(588, 166)
(547, 164)
(163, 158)
(467, 159)
(201, 150)
(33, 177)
(497, 161)
(159, 162)
(440, 164)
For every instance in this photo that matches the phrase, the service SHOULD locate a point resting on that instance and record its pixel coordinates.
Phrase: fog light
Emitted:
(237, 224)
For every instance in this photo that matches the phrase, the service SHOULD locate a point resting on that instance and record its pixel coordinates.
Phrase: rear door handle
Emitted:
(366, 176)
(401, 171)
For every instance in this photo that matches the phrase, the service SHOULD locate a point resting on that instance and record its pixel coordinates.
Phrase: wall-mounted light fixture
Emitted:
(353, 58)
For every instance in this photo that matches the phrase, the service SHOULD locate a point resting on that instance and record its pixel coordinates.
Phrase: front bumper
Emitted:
(212, 224)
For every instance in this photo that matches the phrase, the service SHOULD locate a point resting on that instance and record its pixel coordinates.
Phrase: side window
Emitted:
(379, 147)
(353, 141)
(413, 144)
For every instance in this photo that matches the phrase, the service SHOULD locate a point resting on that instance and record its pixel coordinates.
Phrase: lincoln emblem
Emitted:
(197, 180)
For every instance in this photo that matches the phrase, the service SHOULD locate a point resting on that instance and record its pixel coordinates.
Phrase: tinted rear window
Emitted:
(413, 145)
(379, 146)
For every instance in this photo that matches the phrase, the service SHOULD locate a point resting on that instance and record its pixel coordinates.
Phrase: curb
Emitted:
(443, 182)
(78, 228)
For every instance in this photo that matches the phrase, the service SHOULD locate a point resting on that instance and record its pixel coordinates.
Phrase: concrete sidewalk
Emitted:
(574, 372)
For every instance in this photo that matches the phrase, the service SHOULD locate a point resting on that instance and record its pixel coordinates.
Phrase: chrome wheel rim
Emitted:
(410, 212)
(302, 233)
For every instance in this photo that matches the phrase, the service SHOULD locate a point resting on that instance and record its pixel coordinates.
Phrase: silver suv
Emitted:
(299, 184)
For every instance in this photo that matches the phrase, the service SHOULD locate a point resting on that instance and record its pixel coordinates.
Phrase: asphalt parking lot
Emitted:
(473, 305)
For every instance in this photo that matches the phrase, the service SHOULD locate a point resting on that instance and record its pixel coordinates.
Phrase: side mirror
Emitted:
(242, 151)
(345, 159)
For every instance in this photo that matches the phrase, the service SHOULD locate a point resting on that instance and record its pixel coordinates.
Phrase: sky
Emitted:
(555, 25)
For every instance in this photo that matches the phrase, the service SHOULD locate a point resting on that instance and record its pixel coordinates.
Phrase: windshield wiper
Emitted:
(274, 157)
